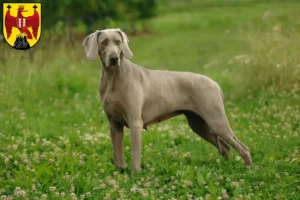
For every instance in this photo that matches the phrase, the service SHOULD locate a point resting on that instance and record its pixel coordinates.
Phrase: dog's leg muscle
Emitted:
(199, 126)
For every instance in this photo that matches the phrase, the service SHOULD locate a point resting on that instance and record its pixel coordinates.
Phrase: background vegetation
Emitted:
(54, 139)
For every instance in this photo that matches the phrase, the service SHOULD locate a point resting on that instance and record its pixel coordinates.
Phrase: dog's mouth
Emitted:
(108, 63)
(113, 63)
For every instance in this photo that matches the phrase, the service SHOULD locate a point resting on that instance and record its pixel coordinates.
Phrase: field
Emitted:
(54, 137)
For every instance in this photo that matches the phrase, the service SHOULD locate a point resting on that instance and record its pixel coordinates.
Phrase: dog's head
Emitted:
(109, 44)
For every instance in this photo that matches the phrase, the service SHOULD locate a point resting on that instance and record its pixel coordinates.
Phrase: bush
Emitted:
(272, 62)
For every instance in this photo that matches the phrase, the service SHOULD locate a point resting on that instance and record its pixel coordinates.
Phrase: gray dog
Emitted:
(136, 97)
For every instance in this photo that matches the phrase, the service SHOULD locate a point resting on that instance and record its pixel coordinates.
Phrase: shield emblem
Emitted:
(22, 24)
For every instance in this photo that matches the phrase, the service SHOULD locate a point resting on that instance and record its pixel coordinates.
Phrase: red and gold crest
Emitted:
(22, 24)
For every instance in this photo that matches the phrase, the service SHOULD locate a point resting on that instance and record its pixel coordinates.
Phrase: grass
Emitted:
(54, 139)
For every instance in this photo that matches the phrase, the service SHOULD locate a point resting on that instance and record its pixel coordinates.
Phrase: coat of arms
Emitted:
(22, 24)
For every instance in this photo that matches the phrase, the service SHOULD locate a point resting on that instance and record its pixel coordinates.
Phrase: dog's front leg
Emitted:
(116, 132)
(136, 126)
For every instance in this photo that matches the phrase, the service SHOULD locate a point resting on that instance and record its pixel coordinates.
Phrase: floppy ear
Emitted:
(91, 45)
(126, 51)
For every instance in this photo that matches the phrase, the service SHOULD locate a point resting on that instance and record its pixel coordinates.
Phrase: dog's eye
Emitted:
(104, 43)
(118, 42)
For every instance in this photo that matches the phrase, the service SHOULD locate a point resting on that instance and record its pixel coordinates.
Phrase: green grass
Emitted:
(54, 138)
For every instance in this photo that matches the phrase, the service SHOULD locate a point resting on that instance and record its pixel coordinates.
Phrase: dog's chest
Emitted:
(113, 106)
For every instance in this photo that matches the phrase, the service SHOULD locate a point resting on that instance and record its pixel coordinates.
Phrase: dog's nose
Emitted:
(113, 59)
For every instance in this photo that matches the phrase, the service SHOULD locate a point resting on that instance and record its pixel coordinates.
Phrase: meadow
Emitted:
(54, 137)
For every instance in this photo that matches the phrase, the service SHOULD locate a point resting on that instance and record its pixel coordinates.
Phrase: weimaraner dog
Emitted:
(136, 97)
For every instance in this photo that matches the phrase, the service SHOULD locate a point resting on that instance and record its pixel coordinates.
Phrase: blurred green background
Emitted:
(52, 125)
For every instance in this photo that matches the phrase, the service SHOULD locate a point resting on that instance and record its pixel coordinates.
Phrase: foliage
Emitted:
(72, 12)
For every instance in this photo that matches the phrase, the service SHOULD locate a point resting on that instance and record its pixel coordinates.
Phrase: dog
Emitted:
(136, 97)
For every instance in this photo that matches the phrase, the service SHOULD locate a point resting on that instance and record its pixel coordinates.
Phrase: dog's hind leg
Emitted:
(212, 111)
(199, 126)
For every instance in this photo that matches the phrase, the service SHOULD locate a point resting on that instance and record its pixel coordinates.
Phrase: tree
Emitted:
(140, 10)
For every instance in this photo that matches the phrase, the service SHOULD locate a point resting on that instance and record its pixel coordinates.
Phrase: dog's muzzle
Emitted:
(113, 60)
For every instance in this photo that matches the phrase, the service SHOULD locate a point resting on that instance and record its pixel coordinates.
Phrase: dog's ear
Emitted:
(126, 51)
(91, 45)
